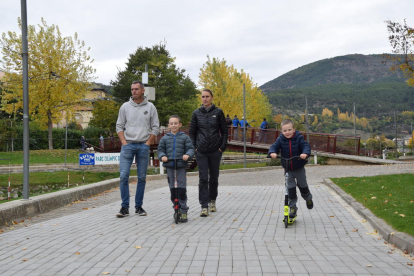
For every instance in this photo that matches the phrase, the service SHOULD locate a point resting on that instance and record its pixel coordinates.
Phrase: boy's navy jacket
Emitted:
(175, 146)
(294, 146)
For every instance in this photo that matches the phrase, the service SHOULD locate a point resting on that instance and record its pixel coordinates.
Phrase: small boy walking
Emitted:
(291, 143)
(176, 145)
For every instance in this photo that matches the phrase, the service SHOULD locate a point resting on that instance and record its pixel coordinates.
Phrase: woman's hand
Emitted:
(164, 159)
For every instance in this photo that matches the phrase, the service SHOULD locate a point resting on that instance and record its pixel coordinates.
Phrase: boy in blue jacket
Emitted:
(176, 145)
(291, 143)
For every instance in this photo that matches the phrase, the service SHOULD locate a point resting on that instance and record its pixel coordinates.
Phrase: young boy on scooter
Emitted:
(291, 143)
(176, 145)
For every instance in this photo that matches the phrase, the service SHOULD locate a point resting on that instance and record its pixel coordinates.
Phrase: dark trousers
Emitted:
(208, 171)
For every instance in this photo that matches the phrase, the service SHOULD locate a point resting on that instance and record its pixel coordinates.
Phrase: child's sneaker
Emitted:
(309, 204)
(183, 218)
(212, 206)
(293, 211)
(204, 212)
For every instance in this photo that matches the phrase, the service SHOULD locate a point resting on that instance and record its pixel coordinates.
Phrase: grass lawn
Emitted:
(390, 197)
(40, 157)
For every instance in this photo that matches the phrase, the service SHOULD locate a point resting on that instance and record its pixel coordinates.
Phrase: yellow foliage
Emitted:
(227, 86)
(327, 112)
(60, 73)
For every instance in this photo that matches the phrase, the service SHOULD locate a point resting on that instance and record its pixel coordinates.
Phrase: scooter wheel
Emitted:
(176, 218)
(286, 220)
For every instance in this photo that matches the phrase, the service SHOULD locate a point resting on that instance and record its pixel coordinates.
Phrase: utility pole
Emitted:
(245, 125)
(25, 57)
(396, 141)
(306, 119)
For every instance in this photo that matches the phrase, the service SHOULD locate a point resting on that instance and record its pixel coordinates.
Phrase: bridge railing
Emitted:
(332, 143)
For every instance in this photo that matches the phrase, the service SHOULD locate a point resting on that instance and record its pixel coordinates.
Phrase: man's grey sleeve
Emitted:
(155, 123)
(120, 123)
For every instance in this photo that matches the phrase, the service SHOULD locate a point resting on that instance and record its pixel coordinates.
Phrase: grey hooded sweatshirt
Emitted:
(138, 121)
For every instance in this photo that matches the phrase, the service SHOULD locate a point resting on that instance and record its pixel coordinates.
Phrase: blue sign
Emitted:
(87, 159)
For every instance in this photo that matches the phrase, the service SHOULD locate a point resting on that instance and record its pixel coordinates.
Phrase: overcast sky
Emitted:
(264, 38)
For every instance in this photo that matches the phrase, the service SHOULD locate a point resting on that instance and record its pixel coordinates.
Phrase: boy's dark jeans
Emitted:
(208, 171)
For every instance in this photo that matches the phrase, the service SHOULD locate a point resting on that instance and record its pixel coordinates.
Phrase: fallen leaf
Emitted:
(390, 252)
(138, 246)
(331, 216)
(240, 229)
(369, 265)
(24, 260)
(405, 252)
(77, 253)
(373, 197)
(355, 230)
(15, 222)
(24, 248)
(410, 264)
(392, 233)
(85, 208)
(364, 221)
(234, 219)
(402, 215)
(106, 273)
(128, 271)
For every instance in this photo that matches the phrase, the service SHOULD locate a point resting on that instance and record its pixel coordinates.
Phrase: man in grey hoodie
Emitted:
(137, 126)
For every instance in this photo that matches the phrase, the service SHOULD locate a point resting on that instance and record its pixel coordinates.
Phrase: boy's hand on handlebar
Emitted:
(164, 159)
(303, 156)
(273, 155)
(185, 157)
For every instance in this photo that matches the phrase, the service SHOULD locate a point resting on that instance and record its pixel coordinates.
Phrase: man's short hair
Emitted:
(287, 122)
(174, 116)
(140, 83)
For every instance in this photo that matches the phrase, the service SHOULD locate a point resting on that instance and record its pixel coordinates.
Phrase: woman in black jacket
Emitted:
(208, 132)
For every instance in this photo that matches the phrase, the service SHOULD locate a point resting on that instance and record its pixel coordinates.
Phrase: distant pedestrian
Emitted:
(176, 145)
(83, 142)
(243, 126)
(236, 124)
(263, 130)
(112, 139)
(101, 142)
(137, 126)
(208, 132)
(228, 121)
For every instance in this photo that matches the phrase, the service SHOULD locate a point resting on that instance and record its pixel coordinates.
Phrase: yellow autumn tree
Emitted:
(327, 112)
(60, 74)
(226, 82)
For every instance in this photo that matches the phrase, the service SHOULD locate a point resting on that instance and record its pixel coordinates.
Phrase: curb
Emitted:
(401, 240)
(19, 209)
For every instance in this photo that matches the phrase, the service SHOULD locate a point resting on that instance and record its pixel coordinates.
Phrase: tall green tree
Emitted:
(401, 37)
(60, 73)
(175, 92)
(105, 114)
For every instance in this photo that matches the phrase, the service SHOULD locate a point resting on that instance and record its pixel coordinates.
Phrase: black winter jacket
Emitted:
(208, 129)
(294, 146)
(175, 146)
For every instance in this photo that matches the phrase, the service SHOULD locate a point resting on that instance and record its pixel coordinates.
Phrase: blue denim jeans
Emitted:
(141, 153)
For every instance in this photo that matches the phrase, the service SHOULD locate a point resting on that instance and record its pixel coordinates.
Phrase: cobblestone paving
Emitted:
(245, 237)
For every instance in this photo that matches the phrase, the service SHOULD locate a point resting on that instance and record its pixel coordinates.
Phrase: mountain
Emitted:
(338, 82)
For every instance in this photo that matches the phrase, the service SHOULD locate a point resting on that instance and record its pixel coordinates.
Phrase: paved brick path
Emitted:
(245, 237)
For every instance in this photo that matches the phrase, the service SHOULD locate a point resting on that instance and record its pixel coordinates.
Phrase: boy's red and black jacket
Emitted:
(294, 146)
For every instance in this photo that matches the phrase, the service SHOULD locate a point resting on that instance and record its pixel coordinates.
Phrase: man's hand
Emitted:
(185, 157)
(164, 159)
(273, 155)
(303, 156)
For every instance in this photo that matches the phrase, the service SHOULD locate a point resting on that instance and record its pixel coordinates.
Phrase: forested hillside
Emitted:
(337, 83)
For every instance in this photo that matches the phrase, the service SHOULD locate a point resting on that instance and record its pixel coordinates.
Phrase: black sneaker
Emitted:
(123, 212)
(140, 211)
(309, 204)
